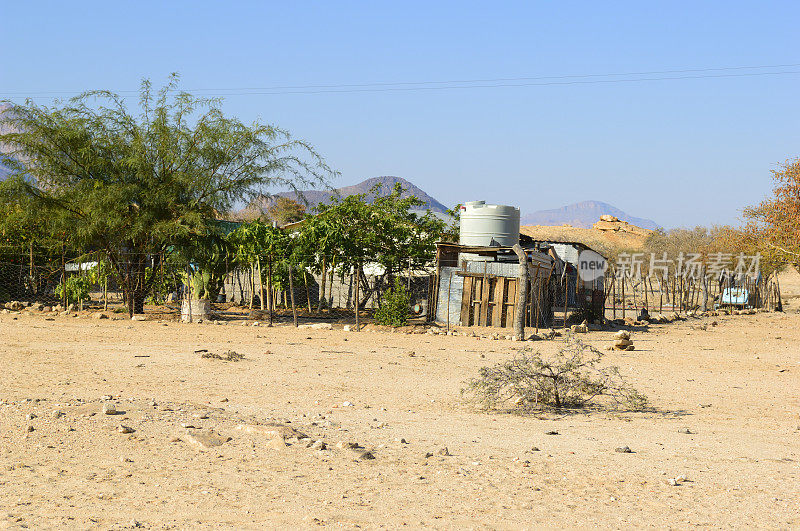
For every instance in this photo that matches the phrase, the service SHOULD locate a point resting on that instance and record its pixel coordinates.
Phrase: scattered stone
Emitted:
(205, 439)
(126, 460)
(623, 450)
(125, 429)
(535, 449)
(687, 431)
(366, 455)
(30, 416)
(444, 451)
(346, 328)
(317, 326)
(428, 454)
(347, 403)
(630, 347)
(622, 344)
(676, 480)
(551, 433)
(57, 414)
(622, 334)
(579, 329)
(138, 318)
(109, 409)
(319, 444)
(99, 315)
(30, 428)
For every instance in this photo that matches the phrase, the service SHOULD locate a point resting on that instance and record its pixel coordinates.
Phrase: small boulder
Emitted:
(622, 344)
(202, 440)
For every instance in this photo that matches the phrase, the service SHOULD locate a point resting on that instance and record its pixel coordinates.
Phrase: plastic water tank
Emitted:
(488, 225)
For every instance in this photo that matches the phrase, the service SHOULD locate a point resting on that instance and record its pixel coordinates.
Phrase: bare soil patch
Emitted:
(326, 427)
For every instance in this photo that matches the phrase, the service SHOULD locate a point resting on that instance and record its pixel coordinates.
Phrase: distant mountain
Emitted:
(583, 215)
(315, 197)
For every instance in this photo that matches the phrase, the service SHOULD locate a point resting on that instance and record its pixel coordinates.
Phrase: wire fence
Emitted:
(473, 294)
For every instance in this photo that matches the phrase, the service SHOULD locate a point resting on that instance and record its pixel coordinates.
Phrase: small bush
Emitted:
(394, 308)
(77, 289)
(571, 378)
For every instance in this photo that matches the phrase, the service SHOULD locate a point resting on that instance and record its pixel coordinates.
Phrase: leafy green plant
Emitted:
(570, 378)
(394, 308)
(134, 185)
(76, 287)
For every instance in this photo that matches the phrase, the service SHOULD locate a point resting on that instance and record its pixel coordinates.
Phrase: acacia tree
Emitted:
(775, 222)
(135, 185)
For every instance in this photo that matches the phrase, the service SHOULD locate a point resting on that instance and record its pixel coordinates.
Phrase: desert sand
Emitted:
(725, 415)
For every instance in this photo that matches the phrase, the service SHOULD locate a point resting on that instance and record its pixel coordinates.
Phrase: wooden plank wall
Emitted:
(488, 300)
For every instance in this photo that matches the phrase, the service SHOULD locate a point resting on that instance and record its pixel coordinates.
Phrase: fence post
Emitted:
(522, 293)
(357, 296)
(291, 295)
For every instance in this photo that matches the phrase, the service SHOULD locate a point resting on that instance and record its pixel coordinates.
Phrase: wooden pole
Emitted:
(358, 274)
(269, 288)
(622, 278)
(308, 291)
(704, 287)
(322, 284)
(522, 292)
(566, 294)
(291, 295)
(614, 297)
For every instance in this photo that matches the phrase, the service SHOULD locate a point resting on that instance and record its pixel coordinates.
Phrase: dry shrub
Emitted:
(225, 356)
(571, 378)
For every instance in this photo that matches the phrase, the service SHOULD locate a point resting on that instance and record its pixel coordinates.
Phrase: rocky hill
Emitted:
(315, 197)
(583, 215)
(608, 235)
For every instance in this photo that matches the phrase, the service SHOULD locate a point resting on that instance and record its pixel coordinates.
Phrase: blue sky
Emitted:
(682, 151)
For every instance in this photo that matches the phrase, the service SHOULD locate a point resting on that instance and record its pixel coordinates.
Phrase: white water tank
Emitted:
(485, 225)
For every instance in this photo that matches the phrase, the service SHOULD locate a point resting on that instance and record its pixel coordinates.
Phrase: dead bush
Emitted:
(229, 355)
(571, 378)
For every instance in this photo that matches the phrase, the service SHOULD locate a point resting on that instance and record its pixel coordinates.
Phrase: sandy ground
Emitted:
(735, 386)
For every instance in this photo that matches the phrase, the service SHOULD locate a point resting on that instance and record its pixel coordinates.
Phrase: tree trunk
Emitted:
(308, 291)
(358, 273)
(291, 295)
(322, 285)
(260, 284)
(251, 276)
(269, 287)
(522, 293)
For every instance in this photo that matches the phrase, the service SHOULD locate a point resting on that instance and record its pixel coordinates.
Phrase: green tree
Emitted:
(134, 185)
(259, 245)
(385, 231)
